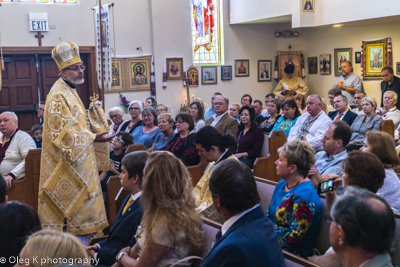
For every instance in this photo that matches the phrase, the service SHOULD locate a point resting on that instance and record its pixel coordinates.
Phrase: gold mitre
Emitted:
(66, 54)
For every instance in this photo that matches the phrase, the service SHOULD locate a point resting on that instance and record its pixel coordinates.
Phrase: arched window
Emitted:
(45, 1)
(206, 31)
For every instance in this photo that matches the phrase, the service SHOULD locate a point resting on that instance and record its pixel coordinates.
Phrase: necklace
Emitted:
(290, 188)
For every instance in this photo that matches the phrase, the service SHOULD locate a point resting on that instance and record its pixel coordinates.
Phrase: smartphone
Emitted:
(325, 187)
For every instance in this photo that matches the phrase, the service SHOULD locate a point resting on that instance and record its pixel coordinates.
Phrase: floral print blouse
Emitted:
(184, 149)
(296, 215)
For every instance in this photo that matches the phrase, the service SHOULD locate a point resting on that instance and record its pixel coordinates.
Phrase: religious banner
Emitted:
(106, 53)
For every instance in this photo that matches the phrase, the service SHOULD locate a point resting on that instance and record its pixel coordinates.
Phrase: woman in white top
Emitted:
(171, 228)
(381, 144)
(197, 113)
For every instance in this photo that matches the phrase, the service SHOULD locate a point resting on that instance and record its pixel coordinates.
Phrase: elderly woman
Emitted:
(182, 145)
(273, 108)
(369, 121)
(197, 113)
(295, 207)
(250, 137)
(171, 228)
(115, 115)
(234, 111)
(147, 133)
(291, 113)
(135, 110)
(166, 134)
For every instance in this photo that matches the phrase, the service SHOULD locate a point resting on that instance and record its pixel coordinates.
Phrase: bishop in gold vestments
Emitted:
(290, 85)
(70, 196)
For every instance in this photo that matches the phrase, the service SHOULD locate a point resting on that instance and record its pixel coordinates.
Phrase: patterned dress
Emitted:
(184, 149)
(296, 215)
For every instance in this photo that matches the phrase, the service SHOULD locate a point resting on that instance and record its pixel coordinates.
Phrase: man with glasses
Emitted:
(210, 111)
(70, 197)
(221, 120)
(40, 112)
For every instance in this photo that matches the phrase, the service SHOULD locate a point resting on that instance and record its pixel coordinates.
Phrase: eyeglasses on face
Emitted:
(134, 108)
(77, 68)
(180, 121)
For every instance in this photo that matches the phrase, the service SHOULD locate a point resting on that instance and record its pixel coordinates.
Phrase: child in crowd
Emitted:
(37, 130)
(120, 143)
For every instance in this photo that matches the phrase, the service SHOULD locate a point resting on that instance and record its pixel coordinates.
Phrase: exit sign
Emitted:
(38, 22)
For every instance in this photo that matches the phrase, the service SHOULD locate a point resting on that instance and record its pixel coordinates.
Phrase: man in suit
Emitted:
(341, 110)
(247, 237)
(129, 215)
(221, 120)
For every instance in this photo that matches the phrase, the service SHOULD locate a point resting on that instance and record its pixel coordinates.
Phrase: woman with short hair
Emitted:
(146, 134)
(135, 110)
(234, 111)
(166, 134)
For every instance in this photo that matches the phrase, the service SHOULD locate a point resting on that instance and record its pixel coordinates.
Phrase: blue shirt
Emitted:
(209, 113)
(144, 138)
(332, 165)
(160, 142)
(285, 125)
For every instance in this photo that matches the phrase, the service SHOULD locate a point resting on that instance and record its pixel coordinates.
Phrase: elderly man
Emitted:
(312, 125)
(258, 107)
(247, 238)
(362, 229)
(358, 103)
(264, 113)
(389, 110)
(70, 197)
(246, 100)
(210, 111)
(389, 83)
(14, 146)
(341, 111)
(291, 85)
(40, 111)
(329, 161)
(116, 114)
(349, 82)
(221, 120)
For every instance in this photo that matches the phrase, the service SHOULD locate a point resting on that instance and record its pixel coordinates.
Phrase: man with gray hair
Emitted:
(221, 120)
(389, 110)
(14, 146)
(115, 115)
(362, 229)
(312, 125)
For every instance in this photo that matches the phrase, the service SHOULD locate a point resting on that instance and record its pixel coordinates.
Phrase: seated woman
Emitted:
(171, 228)
(197, 113)
(295, 207)
(52, 244)
(18, 221)
(182, 145)
(234, 111)
(116, 115)
(290, 114)
(135, 110)
(273, 108)
(166, 134)
(250, 137)
(381, 144)
(300, 101)
(147, 133)
(369, 121)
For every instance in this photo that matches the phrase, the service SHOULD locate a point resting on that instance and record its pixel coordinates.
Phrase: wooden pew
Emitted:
(113, 204)
(135, 147)
(197, 171)
(264, 167)
(388, 126)
(26, 190)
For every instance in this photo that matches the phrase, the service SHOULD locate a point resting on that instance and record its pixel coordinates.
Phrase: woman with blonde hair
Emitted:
(171, 228)
(48, 248)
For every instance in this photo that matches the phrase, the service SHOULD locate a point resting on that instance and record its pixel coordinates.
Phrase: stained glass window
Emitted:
(45, 1)
(206, 31)
(5, 1)
(35, 1)
(65, 1)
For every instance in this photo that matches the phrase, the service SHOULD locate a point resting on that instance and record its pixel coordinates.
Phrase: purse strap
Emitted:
(185, 259)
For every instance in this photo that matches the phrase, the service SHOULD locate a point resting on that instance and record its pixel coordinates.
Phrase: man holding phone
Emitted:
(328, 163)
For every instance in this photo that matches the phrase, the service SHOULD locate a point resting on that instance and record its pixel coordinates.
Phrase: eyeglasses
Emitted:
(119, 140)
(160, 110)
(77, 68)
(42, 109)
(134, 108)
(180, 122)
(219, 104)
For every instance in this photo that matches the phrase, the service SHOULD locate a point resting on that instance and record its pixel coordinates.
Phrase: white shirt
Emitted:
(264, 113)
(234, 218)
(358, 112)
(216, 119)
(344, 114)
(392, 114)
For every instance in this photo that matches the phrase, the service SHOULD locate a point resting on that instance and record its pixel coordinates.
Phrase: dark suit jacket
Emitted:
(122, 234)
(226, 125)
(349, 117)
(251, 241)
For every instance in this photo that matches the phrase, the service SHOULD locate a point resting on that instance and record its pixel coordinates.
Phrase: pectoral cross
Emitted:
(39, 36)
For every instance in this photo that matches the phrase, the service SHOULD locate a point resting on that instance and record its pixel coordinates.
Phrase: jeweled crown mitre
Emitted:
(66, 54)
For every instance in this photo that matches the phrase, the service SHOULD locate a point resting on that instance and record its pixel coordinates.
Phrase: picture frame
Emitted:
(374, 58)
(193, 76)
(397, 68)
(308, 5)
(174, 68)
(313, 65)
(264, 72)
(209, 75)
(226, 73)
(139, 69)
(242, 68)
(286, 57)
(341, 55)
(357, 57)
(325, 65)
(118, 76)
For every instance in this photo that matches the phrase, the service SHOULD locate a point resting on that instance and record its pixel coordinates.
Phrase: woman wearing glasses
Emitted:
(135, 109)
(182, 145)
(147, 133)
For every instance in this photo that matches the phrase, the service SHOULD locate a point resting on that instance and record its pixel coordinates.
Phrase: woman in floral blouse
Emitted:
(295, 206)
(273, 108)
